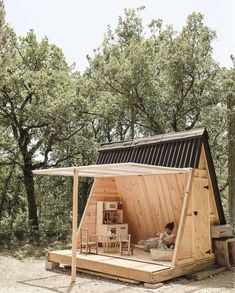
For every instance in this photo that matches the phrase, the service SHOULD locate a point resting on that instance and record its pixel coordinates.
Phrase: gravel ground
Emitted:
(29, 275)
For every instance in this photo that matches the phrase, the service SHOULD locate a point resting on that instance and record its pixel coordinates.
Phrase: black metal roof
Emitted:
(179, 149)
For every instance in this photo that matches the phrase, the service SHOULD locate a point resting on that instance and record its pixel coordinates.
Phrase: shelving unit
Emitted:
(110, 219)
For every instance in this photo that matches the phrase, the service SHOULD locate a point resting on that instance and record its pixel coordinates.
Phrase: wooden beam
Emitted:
(75, 223)
(201, 173)
(121, 169)
(106, 276)
(181, 270)
(86, 208)
(182, 218)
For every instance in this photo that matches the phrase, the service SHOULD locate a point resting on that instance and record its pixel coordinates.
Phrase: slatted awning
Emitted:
(111, 170)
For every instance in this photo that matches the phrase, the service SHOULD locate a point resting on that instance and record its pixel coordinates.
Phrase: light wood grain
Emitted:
(75, 220)
(150, 202)
(184, 210)
(103, 189)
(203, 165)
(201, 221)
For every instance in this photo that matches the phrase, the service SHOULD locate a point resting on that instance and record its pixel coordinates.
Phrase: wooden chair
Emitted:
(125, 244)
(87, 241)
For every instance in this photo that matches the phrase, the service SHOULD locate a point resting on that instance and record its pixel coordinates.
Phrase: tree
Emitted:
(228, 92)
(2, 31)
(40, 111)
(139, 82)
(5, 44)
(149, 83)
(152, 84)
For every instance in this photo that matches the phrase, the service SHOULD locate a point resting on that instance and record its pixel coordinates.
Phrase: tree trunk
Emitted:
(5, 190)
(132, 134)
(32, 207)
(231, 158)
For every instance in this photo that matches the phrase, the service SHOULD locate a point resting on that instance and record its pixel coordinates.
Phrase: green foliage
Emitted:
(145, 83)
(44, 123)
(149, 85)
(140, 82)
(39, 101)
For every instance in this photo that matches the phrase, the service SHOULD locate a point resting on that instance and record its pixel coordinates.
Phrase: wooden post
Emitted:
(183, 214)
(75, 219)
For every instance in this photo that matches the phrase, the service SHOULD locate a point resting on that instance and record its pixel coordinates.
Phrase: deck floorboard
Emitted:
(121, 267)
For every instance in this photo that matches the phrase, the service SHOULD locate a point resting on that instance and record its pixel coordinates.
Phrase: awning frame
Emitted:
(111, 170)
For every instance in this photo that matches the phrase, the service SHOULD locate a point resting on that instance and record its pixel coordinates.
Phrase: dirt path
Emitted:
(29, 275)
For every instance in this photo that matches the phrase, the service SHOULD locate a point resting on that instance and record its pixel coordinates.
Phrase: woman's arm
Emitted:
(161, 235)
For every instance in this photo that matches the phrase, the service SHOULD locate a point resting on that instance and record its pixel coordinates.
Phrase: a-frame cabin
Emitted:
(180, 150)
(183, 190)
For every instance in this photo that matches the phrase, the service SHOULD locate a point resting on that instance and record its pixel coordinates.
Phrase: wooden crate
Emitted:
(225, 252)
(219, 231)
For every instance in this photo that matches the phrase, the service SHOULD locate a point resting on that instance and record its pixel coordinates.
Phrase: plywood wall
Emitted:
(214, 218)
(102, 189)
(186, 243)
(201, 221)
(150, 202)
(196, 239)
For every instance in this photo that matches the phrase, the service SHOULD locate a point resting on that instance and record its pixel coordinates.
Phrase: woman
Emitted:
(167, 238)
(163, 240)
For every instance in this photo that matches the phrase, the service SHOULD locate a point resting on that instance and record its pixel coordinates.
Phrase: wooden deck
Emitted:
(127, 268)
(121, 267)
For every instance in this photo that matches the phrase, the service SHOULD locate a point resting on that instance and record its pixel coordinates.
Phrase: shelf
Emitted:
(114, 224)
(113, 210)
(111, 214)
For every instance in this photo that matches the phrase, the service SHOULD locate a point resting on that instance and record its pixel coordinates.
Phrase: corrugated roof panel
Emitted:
(125, 157)
(142, 152)
(112, 154)
(189, 157)
(139, 154)
(170, 154)
(154, 152)
(160, 154)
(146, 153)
(180, 154)
(150, 154)
(164, 154)
(186, 155)
(118, 156)
(174, 152)
(197, 153)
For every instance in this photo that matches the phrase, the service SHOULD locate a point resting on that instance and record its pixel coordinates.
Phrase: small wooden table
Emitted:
(225, 251)
(110, 243)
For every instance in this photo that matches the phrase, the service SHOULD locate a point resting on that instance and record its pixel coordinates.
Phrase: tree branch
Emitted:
(224, 186)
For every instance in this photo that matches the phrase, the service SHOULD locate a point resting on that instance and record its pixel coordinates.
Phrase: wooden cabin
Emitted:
(143, 184)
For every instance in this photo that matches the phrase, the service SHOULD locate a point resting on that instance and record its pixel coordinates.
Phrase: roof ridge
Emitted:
(171, 136)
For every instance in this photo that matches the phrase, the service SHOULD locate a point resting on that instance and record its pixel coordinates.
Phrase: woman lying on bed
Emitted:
(163, 240)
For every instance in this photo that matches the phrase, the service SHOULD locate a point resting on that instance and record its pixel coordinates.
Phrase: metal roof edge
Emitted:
(173, 136)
